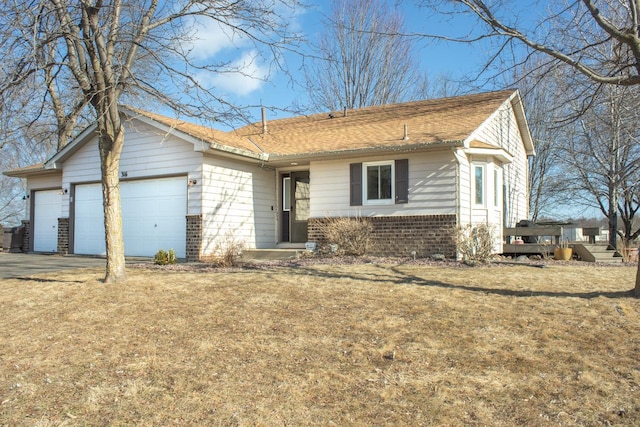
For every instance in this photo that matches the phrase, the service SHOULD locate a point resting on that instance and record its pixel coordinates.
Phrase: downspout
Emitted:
(458, 184)
(458, 193)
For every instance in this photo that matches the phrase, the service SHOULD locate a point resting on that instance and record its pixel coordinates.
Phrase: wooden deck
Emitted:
(547, 237)
(527, 249)
(551, 236)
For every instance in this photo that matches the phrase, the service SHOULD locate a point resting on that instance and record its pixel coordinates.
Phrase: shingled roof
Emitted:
(427, 122)
(430, 122)
(387, 127)
(202, 132)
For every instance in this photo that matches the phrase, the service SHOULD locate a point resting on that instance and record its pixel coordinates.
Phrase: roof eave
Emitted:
(236, 152)
(27, 173)
(359, 152)
(71, 147)
(199, 144)
(518, 109)
(498, 153)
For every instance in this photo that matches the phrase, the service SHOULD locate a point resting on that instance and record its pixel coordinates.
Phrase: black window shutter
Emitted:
(356, 184)
(402, 181)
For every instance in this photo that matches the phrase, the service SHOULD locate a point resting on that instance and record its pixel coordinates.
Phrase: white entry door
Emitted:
(153, 217)
(47, 208)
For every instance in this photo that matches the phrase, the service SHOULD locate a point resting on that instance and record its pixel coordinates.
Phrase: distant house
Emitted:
(414, 169)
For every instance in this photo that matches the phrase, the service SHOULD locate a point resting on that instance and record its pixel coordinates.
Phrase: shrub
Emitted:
(227, 251)
(352, 235)
(163, 257)
(475, 242)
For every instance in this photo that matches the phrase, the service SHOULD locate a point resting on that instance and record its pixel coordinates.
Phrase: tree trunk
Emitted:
(111, 144)
(613, 216)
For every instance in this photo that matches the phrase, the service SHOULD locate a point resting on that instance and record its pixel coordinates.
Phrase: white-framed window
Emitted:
(378, 182)
(286, 194)
(479, 181)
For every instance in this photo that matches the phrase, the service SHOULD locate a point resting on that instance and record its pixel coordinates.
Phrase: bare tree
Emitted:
(599, 39)
(362, 59)
(545, 113)
(22, 141)
(100, 52)
(603, 153)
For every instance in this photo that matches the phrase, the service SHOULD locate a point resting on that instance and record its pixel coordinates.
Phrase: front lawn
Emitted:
(365, 344)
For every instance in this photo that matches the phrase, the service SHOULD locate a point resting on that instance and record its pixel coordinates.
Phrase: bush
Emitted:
(475, 242)
(351, 235)
(163, 257)
(227, 251)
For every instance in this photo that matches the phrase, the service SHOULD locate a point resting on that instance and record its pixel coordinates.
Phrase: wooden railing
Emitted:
(512, 246)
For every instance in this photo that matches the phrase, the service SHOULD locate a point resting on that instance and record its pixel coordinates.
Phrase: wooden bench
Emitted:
(542, 248)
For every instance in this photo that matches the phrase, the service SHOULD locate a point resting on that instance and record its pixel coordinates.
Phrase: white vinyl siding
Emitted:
(239, 203)
(147, 153)
(432, 184)
(502, 129)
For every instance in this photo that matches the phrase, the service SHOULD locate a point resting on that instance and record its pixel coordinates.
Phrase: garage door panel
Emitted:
(89, 220)
(153, 216)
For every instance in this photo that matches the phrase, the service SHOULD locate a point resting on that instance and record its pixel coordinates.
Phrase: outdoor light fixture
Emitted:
(192, 182)
(63, 191)
(25, 197)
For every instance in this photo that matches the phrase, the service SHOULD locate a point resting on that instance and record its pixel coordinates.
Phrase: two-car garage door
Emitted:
(153, 217)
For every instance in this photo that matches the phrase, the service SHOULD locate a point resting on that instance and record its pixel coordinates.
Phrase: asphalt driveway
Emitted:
(23, 265)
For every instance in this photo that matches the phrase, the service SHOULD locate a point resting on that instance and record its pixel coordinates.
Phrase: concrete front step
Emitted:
(270, 254)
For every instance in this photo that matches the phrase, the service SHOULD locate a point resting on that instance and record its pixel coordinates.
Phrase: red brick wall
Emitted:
(401, 235)
(26, 240)
(63, 236)
(194, 237)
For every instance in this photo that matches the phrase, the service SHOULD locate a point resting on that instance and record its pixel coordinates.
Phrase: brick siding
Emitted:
(194, 237)
(401, 235)
(63, 236)
(26, 239)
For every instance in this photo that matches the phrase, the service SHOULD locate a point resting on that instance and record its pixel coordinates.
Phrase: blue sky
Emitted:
(280, 90)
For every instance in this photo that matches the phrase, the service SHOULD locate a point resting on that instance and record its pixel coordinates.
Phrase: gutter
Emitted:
(25, 173)
(356, 152)
(237, 151)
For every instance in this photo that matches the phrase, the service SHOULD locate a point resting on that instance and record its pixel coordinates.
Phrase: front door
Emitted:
(300, 202)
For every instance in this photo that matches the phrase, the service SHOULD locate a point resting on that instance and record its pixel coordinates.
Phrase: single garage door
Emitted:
(153, 217)
(47, 207)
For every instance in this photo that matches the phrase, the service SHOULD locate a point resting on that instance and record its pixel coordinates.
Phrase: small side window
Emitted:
(478, 184)
(286, 194)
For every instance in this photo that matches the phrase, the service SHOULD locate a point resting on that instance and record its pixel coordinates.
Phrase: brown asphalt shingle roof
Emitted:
(428, 122)
(202, 132)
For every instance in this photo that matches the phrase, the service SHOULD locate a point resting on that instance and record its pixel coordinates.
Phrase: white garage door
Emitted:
(153, 217)
(46, 211)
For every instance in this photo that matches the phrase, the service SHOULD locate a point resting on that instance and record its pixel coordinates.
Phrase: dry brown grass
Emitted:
(323, 345)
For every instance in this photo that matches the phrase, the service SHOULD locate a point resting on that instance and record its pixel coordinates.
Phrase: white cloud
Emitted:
(211, 37)
(246, 75)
